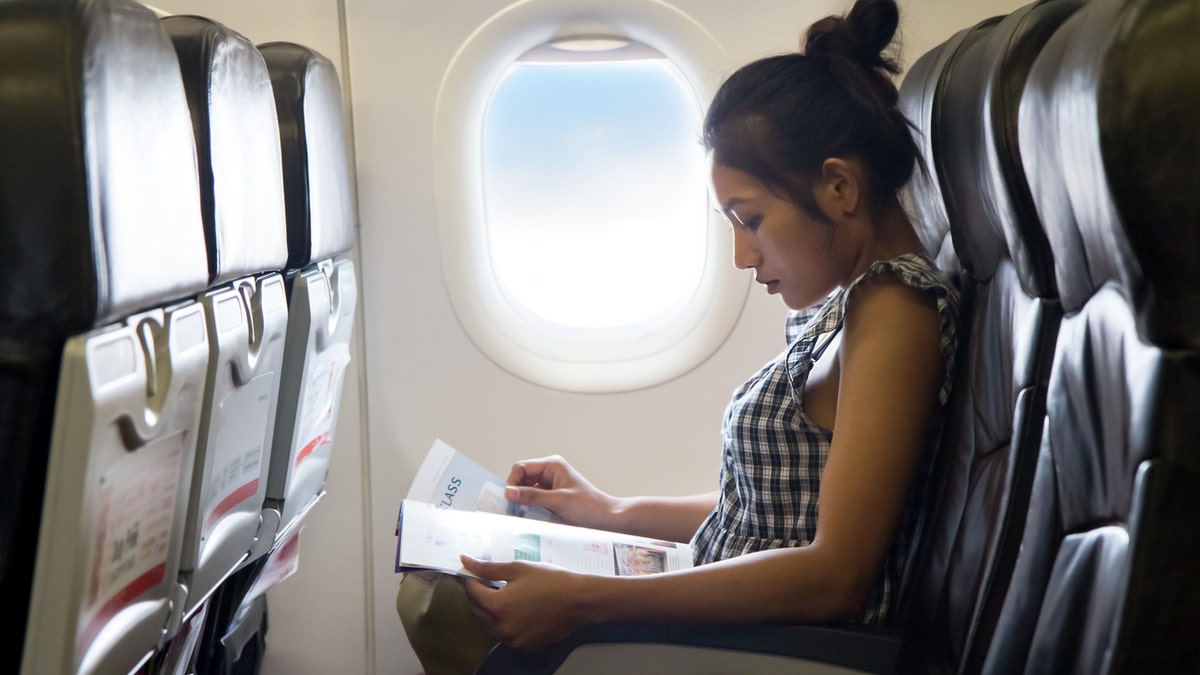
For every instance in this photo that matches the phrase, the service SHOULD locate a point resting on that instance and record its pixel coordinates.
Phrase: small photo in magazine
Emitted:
(632, 560)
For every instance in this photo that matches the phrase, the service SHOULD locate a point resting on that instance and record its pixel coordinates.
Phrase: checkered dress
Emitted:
(773, 455)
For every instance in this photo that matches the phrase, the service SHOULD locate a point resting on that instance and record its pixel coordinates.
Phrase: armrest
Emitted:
(853, 647)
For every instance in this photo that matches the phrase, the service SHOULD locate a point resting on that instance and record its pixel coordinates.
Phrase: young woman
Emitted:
(826, 448)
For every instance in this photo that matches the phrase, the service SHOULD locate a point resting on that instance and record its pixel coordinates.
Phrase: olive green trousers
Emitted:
(440, 628)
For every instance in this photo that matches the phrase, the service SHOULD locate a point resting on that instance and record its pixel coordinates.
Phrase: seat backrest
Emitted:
(1105, 581)
(241, 192)
(102, 247)
(122, 454)
(317, 186)
(923, 194)
(322, 291)
(238, 148)
(972, 531)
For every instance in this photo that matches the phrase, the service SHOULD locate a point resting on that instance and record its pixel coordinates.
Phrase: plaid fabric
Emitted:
(773, 455)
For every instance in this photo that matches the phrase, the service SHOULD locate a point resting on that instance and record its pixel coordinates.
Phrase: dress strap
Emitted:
(823, 343)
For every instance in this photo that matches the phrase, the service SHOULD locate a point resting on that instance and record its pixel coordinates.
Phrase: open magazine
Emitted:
(456, 507)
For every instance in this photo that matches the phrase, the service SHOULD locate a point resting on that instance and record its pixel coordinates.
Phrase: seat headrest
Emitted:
(1148, 103)
(976, 142)
(99, 204)
(1109, 126)
(237, 143)
(316, 178)
(954, 122)
(923, 194)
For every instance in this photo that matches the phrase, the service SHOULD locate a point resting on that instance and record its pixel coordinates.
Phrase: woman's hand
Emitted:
(536, 606)
(555, 485)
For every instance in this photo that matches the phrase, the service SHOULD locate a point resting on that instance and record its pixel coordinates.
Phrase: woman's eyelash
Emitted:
(750, 223)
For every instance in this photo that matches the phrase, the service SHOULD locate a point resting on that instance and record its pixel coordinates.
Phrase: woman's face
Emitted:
(791, 253)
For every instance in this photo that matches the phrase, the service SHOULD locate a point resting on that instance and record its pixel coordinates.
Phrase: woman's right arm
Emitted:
(553, 484)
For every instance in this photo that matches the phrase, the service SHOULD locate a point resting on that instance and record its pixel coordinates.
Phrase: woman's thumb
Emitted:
(527, 496)
(489, 571)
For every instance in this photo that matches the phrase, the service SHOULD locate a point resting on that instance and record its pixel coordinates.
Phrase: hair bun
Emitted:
(861, 36)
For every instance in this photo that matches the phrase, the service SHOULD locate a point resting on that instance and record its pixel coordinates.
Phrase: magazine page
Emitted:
(451, 480)
(432, 538)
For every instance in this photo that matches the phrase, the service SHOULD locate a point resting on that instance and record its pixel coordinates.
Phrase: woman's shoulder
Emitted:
(913, 271)
(912, 274)
(910, 269)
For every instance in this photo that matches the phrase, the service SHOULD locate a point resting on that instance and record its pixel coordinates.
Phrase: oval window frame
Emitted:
(653, 352)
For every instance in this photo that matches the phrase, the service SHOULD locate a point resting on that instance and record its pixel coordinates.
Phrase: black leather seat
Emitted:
(1106, 578)
(241, 193)
(964, 97)
(104, 348)
(321, 286)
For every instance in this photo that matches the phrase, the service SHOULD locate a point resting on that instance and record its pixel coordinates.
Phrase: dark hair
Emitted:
(779, 118)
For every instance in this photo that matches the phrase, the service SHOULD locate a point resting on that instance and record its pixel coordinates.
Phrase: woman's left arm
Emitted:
(890, 370)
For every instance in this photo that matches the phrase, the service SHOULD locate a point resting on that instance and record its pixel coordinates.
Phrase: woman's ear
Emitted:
(842, 186)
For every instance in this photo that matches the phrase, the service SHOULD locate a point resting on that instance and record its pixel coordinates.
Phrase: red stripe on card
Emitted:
(149, 580)
(315, 443)
(231, 500)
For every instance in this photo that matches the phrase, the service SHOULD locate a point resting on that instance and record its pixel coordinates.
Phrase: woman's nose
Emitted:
(745, 255)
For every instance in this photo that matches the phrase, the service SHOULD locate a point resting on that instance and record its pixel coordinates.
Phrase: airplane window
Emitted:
(594, 190)
(579, 246)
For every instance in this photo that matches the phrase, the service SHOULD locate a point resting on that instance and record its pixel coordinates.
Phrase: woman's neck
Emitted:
(891, 234)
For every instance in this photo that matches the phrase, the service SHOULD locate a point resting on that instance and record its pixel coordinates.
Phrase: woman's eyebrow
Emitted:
(732, 202)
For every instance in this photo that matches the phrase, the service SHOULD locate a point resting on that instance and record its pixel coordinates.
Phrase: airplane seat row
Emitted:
(1105, 582)
(172, 360)
(322, 297)
(1063, 154)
